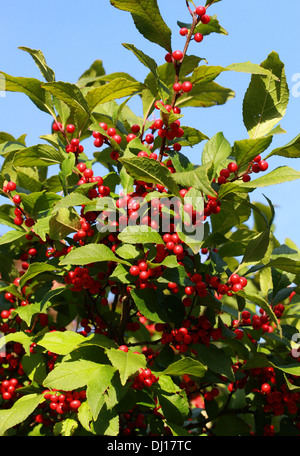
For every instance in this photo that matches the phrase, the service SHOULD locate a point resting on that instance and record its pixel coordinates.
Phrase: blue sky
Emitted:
(74, 34)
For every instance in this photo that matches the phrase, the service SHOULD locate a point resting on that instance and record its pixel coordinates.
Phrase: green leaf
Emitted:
(143, 58)
(258, 249)
(188, 366)
(205, 96)
(11, 236)
(140, 234)
(206, 73)
(85, 417)
(142, 168)
(34, 367)
(212, 27)
(148, 20)
(19, 412)
(107, 423)
(61, 343)
(39, 155)
(118, 88)
(65, 427)
(37, 202)
(216, 150)
(174, 407)
(277, 176)
(71, 200)
(216, 360)
(98, 383)
(90, 76)
(206, 29)
(128, 252)
(39, 59)
(154, 309)
(62, 223)
(90, 253)
(266, 99)
(70, 94)
(191, 137)
(127, 364)
(32, 88)
(71, 375)
(290, 150)
(247, 149)
(198, 178)
(36, 269)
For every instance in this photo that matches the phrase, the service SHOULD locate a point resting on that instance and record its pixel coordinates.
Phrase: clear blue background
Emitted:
(74, 34)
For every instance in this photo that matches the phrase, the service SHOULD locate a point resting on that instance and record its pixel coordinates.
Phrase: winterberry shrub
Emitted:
(155, 299)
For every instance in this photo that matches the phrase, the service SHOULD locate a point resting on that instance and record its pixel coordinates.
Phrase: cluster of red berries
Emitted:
(193, 330)
(203, 17)
(280, 401)
(73, 145)
(9, 187)
(100, 139)
(20, 215)
(171, 131)
(80, 279)
(144, 379)
(8, 388)
(11, 361)
(131, 421)
(257, 322)
(64, 402)
(256, 165)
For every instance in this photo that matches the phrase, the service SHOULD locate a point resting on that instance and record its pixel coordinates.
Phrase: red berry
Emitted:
(187, 86)
(57, 126)
(246, 178)
(256, 168)
(168, 57)
(130, 137)
(200, 10)
(149, 138)
(6, 396)
(183, 31)
(75, 404)
(17, 199)
(232, 167)
(198, 37)
(11, 186)
(135, 128)
(177, 55)
(245, 315)
(263, 165)
(134, 270)
(18, 220)
(103, 125)
(75, 142)
(144, 275)
(88, 173)
(265, 388)
(123, 348)
(225, 173)
(5, 314)
(81, 167)
(70, 128)
(177, 87)
(205, 19)
(158, 123)
(98, 142)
